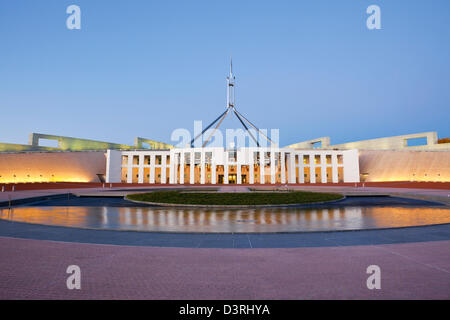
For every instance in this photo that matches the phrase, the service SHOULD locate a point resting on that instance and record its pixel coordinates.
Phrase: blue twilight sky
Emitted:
(144, 68)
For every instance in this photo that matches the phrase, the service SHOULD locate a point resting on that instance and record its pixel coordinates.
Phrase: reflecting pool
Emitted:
(248, 220)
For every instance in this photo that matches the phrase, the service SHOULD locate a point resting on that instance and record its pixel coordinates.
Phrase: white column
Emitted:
(181, 177)
(262, 166)
(312, 168)
(351, 165)
(213, 168)
(130, 169)
(272, 166)
(301, 169)
(238, 174)
(283, 167)
(251, 167)
(172, 167)
(113, 166)
(202, 167)
(192, 165)
(323, 169)
(152, 168)
(334, 169)
(291, 167)
(141, 169)
(225, 168)
(163, 168)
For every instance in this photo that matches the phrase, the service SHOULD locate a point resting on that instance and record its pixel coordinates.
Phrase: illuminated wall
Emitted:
(84, 166)
(52, 166)
(390, 165)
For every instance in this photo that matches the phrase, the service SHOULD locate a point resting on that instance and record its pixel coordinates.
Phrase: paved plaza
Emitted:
(414, 262)
(36, 269)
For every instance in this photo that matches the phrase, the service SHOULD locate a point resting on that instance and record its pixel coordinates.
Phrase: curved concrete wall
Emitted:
(379, 165)
(396, 165)
(52, 166)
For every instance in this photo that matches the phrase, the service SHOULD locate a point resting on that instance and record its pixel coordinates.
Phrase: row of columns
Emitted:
(285, 158)
(312, 168)
(288, 158)
(152, 167)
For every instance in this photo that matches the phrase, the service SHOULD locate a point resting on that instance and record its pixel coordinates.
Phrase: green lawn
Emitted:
(248, 198)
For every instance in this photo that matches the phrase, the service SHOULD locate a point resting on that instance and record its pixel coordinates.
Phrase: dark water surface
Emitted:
(118, 214)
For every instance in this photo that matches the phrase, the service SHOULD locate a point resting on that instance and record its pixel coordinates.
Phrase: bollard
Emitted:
(103, 185)
(110, 185)
(13, 188)
(3, 188)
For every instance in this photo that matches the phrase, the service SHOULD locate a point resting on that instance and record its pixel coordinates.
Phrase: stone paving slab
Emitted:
(35, 269)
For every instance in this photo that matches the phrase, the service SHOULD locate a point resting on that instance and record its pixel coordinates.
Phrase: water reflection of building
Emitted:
(257, 220)
(250, 220)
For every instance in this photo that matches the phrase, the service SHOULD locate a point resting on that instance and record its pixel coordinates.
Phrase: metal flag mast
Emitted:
(230, 108)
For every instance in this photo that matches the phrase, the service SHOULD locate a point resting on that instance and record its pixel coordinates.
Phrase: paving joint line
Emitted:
(411, 259)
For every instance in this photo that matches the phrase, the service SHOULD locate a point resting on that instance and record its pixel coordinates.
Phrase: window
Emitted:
(317, 159)
(136, 160)
(158, 160)
(125, 160)
(208, 157)
(146, 160)
(413, 142)
(197, 157)
(232, 156)
(340, 159)
(187, 158)
(317, 145)
(306, 159)
(267, 157)
(329, 159)
(256, 157)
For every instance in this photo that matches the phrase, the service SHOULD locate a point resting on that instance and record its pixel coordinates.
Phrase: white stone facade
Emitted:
(237, 166)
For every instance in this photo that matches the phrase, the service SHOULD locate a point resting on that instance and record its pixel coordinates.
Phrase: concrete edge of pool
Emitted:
(16, 229)
(440, 232)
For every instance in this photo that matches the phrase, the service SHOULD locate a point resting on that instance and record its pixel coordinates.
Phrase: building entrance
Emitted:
(232, 178)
